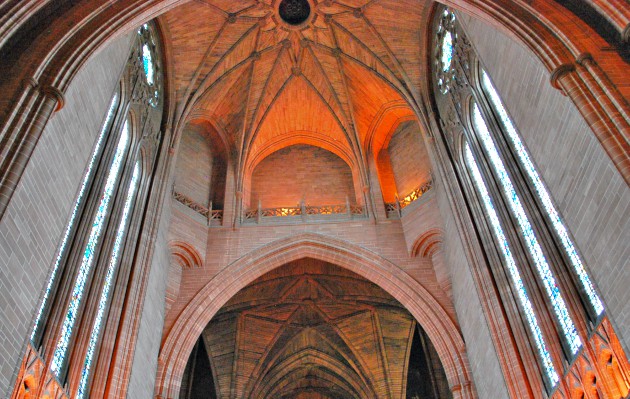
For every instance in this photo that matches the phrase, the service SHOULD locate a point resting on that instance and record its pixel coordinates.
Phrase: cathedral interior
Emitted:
(314, 199)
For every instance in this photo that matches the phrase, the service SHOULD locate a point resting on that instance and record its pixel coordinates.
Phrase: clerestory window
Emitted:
(548, 278)
(94, 259)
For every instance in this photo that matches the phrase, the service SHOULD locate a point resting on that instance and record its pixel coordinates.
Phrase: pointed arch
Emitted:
(442, 331)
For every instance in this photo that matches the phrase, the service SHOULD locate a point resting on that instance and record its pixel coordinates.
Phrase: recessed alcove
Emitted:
(301, 173)
(403, 162)
(201, 168)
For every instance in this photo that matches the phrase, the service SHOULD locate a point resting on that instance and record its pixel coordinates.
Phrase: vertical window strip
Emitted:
(75, 211)
(544, 196)
(447, 51)
(552, 289)
(113, 263)
(513, 270)
(147, 61)
(88, 255)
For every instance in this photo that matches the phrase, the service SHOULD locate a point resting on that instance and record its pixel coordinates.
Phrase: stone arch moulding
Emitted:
(442, 331)
(185, 254)
(427, 244)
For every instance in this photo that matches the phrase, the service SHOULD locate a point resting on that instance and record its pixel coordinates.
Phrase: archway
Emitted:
(412, 295)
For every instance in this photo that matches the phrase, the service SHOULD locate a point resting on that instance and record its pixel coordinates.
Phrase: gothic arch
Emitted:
(443, 333)
(427, 244)
(185, 255)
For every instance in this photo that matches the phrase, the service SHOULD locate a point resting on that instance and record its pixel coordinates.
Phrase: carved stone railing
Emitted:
(213, 216)
(394, 209)
(304, 213)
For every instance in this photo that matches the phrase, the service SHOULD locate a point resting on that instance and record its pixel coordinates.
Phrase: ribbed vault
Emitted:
(267, 84)
(310, 327)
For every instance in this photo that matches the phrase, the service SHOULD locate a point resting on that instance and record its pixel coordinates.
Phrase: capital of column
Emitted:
(584, 59)
(55, 94)
(559, 72)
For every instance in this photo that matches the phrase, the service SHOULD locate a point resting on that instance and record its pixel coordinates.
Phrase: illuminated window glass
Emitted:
(147, 61)
(544, 196)
(548, 280)
(88, 254)
(102, 304)
(75, 211)
(513, 270)
(447, 51)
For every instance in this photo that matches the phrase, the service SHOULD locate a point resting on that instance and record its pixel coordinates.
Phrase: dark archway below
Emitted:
(310, 329)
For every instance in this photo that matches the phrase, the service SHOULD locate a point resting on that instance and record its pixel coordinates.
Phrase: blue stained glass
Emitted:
(147, 62)
(113, 263)
(88, 255)
(75, 210)
(544, 196)
(447, 51)
(513, 270)
(549, 282)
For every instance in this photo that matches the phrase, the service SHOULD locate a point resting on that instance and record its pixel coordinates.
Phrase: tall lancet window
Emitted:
(550, 306)
(74, 340)
(527, 232)
(543, 195)
(89, 253)
(109, 277)
(514, 273)
(89, 174)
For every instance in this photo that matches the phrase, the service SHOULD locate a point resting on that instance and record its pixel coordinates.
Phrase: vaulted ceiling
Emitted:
(332, 81)
(310, 326)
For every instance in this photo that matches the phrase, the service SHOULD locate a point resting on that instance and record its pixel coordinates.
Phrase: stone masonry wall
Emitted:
(588, 190)
(409, 158)
(301, 172)
(34, 222)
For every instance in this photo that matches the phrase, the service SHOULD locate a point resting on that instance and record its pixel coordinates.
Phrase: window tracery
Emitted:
(446, 39)
(149, 65)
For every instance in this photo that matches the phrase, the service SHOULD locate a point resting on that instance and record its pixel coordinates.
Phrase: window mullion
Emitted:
(68, 323)
(64, 249)
(537, 219)
(559, 232)
(108, 282)
(76, 248)
(76, 353)
(515, 276)
(548, 280)
(508, 293)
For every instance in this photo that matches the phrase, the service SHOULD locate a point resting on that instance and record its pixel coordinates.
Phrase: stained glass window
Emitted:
(148, 59)
(147, 62)
(548, 280)
(447, 51)
(113, 263)
(89, 253)
(544, 196)
(513, 270)
(75, 211)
